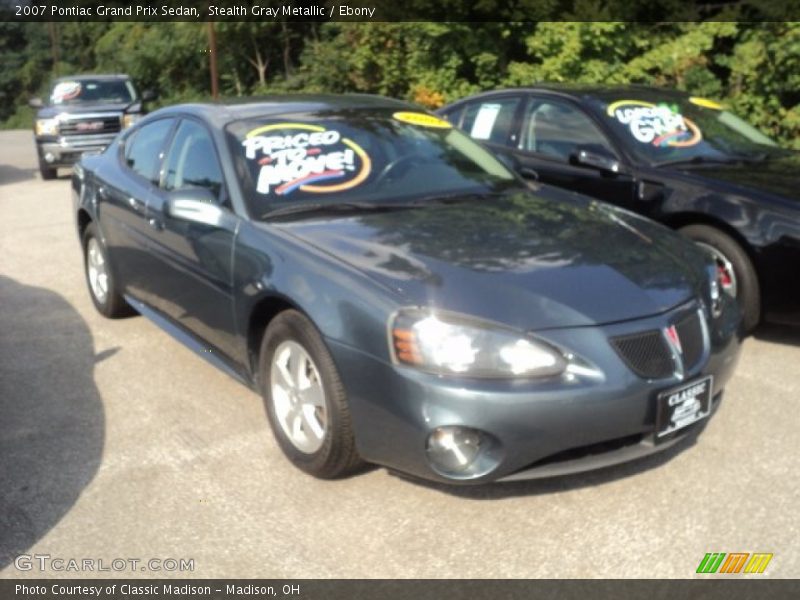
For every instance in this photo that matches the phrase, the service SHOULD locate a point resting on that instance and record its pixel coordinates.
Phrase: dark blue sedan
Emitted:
(398, 296)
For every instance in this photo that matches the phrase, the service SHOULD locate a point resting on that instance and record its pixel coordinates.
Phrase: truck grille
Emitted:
(90, 125)
(648, 353)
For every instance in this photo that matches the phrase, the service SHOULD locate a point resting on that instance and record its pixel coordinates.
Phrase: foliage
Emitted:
(752, 67)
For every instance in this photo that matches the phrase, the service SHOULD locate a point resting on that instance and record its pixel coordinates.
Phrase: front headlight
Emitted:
(128, 120)
(46, 127)
(448, 343)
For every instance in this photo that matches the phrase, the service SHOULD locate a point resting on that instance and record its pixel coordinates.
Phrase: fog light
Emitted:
(49, 157)
(454, 449)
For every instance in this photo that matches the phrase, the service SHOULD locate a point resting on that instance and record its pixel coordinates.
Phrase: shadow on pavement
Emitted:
(779, 334)
(51, 414)
(9, 174)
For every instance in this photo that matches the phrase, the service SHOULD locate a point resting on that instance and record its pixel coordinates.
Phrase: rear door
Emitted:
(493, 121)
(192, 278)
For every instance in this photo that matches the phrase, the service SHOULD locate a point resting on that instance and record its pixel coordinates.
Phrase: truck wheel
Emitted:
(736, 273)
(46, 172)
(305, 399)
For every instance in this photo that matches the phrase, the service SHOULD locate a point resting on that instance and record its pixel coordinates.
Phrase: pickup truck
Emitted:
(83, 113)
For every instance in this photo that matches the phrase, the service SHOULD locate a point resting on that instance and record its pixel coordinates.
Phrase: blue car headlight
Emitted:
(452, 344)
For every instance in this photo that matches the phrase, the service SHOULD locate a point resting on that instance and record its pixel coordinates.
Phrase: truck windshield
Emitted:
(366, 156)
(83, 91)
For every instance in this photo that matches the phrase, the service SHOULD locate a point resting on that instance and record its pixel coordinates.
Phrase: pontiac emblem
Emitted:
(674, 340)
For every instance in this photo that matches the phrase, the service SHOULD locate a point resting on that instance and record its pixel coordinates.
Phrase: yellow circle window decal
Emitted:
(421, 119)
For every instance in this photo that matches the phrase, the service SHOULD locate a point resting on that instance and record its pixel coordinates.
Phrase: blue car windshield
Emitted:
(81, 91)
(363, 156)
(681, 129)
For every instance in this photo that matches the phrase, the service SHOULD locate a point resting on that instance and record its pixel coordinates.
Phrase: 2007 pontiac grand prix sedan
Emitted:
(398, 296)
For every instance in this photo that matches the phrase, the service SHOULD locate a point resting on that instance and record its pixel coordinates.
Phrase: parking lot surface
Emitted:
(118, 442)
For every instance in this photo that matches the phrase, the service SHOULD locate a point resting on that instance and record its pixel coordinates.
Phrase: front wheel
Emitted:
(305, 399)
(47, 173)
(735, 269)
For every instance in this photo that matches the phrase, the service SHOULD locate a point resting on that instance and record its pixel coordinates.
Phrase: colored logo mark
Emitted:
(734, 562)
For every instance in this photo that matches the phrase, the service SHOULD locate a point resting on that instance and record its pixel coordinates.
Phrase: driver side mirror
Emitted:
(198, 205)
(596, 157)
(35, 103)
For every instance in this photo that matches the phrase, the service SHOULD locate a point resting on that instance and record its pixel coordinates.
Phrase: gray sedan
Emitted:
(398, 296)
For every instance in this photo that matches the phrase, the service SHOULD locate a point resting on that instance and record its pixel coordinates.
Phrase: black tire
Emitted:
(748, 292)
(337, 455)
(46, 172)
(113, 305)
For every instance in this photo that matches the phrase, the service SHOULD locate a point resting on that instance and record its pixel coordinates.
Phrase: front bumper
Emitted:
(65, 151)
(594, 417)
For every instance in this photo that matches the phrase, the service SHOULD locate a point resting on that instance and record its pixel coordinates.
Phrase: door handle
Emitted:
(136, 205)
(156, 224)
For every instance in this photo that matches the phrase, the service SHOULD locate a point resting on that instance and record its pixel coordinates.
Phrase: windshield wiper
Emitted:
(314, 208)
(697, 160)
(317, 208)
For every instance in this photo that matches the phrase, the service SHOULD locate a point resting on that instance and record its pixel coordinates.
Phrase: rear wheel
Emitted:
(103, 289)
(305, 399)
(735, 269)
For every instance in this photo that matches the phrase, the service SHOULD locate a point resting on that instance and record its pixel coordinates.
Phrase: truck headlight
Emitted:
(128, 120)
(449, 343)
(46, 127)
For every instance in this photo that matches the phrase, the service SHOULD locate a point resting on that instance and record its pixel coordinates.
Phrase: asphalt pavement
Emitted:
(116, 442)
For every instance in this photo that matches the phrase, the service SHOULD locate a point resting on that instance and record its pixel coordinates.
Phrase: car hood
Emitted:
(51, 111)
(533, 262)
(778, 176)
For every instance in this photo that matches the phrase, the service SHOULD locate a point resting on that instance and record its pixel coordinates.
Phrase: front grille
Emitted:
(646, 353)
(690, 333)
(90, 125)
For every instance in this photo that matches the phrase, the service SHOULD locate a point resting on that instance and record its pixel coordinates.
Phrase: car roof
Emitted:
(601, 92)
(228, 110)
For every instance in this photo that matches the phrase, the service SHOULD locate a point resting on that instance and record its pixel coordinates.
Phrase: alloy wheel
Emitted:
(298, 397)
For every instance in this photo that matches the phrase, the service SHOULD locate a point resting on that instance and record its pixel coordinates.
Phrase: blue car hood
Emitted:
(529, 261)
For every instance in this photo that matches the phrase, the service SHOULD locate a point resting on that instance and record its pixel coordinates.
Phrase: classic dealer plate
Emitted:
(684, 405)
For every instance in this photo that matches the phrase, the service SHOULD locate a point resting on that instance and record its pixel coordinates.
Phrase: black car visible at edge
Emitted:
(719, 181)
(398, 296)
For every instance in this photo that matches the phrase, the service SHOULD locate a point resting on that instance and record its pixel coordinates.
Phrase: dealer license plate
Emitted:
(684, 405)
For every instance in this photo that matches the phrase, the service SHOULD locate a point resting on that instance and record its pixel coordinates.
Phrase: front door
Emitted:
(193, 278)
(552, 130)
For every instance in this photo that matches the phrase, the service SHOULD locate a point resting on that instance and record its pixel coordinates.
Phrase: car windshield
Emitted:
(682, 129)
(369, 157)
(81, 91)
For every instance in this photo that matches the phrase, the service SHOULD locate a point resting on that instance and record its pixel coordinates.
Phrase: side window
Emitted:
(192, 161)
(554, 128)
(142, 149)
(491, 120)
(454, 115)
